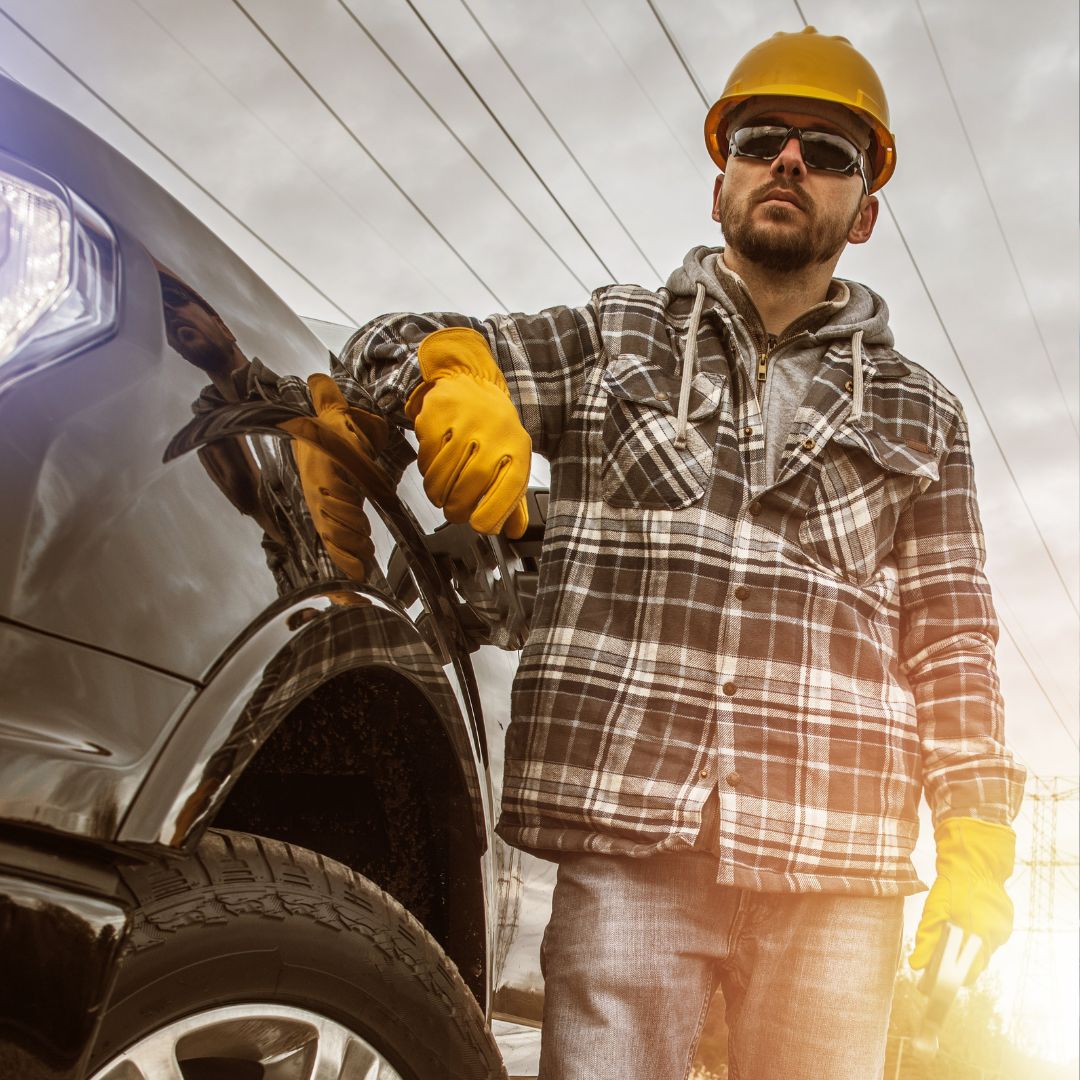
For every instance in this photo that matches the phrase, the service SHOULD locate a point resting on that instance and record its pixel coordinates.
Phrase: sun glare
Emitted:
(1040, 999)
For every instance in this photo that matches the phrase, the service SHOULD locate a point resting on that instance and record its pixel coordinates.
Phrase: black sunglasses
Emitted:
(820, 149)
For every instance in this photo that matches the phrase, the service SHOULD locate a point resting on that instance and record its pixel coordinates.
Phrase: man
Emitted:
(762, 627)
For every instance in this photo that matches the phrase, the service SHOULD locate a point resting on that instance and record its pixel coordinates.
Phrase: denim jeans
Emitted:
(635, 946)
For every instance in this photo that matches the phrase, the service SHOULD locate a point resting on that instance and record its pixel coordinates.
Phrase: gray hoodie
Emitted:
(792, 357)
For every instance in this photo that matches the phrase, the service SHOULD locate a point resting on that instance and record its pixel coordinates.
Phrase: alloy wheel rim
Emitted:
(275, 1042)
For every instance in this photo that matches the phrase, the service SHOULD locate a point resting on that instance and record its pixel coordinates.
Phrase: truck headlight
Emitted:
(59, 272)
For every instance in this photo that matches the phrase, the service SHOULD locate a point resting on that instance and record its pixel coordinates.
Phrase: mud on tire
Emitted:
(251, 920)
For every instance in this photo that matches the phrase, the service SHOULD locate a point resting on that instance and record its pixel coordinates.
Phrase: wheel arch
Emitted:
(338, 697)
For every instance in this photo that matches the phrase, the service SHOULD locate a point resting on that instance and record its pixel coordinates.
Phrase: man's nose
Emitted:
(789, 162)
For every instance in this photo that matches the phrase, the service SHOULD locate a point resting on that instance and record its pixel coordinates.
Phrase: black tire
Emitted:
(246, 919)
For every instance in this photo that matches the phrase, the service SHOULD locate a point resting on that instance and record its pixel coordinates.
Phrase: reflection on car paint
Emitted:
(494, 582)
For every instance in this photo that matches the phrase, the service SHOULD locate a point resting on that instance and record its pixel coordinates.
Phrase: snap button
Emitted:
(729, 688)
(661, 395)
(748, 431)
(755, 509)
(704, 774)
(849, 386)
(741, 592)
(733, 779)
(808, 444)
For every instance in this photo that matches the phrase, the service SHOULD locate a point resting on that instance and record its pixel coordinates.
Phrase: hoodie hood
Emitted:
(850, 307)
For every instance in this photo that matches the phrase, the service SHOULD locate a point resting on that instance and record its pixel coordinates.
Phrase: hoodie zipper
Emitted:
(763, 364)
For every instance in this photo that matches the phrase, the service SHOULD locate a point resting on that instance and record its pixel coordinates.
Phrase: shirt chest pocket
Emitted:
(865, 482)
(641, 467)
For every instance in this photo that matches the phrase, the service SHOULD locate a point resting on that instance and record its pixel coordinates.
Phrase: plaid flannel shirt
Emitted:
(816, 651)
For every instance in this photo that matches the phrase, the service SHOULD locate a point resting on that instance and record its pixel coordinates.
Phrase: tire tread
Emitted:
(237, 874)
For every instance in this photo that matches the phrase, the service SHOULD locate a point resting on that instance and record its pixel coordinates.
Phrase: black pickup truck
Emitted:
(246, 799)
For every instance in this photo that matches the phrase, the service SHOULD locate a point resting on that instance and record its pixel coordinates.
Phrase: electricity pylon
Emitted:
(1047, 866)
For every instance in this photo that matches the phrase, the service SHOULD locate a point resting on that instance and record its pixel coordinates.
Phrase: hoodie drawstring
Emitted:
(689, 364)
(857, 376)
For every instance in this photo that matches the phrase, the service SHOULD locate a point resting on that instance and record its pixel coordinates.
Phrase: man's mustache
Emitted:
(797, 196)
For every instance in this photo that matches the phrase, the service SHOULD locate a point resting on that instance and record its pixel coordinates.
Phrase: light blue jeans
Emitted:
(634, 947)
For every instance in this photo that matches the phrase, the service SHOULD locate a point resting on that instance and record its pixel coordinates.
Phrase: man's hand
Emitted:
(974, 859)
(335, 454)
(474, 455)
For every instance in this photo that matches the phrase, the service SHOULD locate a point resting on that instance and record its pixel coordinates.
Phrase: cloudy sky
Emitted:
(485, 155)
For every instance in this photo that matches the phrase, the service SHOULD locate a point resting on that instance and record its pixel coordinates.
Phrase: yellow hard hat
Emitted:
(809, 65)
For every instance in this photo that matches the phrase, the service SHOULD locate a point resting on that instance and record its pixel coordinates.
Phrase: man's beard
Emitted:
(783, 250)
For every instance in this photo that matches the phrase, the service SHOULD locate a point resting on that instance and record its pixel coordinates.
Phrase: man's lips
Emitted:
(782, 195)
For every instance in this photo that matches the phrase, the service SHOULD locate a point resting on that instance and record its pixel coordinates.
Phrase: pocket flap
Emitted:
(892, 454)
(886, 367)
(631, 378)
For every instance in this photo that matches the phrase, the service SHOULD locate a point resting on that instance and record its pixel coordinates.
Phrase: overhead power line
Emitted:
(555, 131)
(472, 157)
(690, 74)
(1038, 682)
(997, 216)
(176, 165)
(978, 401)
(371, 157)
(368, 223)
(694, 164)
(509, 138)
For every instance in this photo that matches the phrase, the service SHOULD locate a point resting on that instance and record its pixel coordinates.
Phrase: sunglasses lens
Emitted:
(822, 151)
(759, 142)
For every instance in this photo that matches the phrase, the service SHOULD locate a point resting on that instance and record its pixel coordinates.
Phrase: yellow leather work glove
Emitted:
(974, 859)
(474, 455)
(335, 455)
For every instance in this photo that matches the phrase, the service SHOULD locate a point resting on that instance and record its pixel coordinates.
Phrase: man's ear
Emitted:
(716, 197)
(865, 219)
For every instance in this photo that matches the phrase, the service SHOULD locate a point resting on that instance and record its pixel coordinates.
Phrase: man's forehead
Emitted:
(802, 112)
